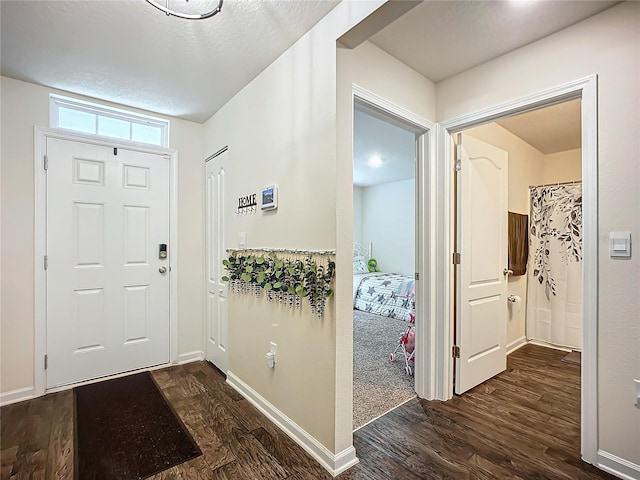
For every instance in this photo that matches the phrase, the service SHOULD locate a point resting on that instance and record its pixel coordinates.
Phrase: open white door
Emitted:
(108, 272)
(482, 278)
(216, 289)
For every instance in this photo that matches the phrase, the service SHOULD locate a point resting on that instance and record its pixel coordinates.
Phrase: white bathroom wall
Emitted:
(563, 166)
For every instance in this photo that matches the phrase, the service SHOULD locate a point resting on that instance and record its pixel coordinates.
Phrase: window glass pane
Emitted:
(146, 133)
(113, 127)
(76, 120)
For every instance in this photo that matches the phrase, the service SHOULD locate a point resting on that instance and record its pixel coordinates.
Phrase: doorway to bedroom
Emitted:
(385, 152)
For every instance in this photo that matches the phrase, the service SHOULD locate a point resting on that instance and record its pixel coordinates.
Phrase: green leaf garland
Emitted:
(283, 280)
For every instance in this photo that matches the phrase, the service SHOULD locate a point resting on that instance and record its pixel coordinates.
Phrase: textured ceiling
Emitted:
(549, 130)
(128, 52)
(440, 39)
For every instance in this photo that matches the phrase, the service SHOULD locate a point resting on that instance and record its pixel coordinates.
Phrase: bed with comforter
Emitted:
(387, 294)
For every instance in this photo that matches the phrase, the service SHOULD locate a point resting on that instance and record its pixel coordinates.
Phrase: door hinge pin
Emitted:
(46, 163)
(46, 262)
(455, 351)
(417, 276)
(46, 362)
(456, 258)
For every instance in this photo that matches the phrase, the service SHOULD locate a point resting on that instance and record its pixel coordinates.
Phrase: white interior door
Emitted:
(481, 316)
(107, 300)
(216, 289)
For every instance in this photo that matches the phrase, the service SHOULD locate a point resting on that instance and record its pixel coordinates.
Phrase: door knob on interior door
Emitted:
(507, 272)
(162, 270)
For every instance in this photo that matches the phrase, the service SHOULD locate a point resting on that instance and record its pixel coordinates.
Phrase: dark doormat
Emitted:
(573, 357)
(125, 429)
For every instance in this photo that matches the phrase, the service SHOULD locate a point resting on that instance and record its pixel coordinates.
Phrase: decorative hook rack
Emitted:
(247, 204)
(283, 250)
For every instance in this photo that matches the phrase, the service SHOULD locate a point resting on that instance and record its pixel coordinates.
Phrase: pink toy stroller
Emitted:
(407, 344)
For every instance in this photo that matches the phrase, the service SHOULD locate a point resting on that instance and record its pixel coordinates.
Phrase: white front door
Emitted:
(216, 289)
(107, 288)
(481, 313)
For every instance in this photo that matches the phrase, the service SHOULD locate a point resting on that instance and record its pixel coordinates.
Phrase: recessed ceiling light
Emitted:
(374, 161)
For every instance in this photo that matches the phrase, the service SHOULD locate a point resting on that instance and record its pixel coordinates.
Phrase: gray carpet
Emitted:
(378, 384)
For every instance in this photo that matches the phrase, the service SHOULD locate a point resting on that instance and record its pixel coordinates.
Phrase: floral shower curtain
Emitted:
(554, 290)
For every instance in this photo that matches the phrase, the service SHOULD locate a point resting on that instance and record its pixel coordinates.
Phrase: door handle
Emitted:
(162, 270)
(507, 272)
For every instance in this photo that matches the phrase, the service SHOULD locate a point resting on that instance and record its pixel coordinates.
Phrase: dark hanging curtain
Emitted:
(518, 243)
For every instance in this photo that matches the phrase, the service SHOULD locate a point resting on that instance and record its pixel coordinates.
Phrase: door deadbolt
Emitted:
(162, 250)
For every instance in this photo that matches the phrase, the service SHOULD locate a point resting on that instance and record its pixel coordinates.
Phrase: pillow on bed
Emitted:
(359, 266)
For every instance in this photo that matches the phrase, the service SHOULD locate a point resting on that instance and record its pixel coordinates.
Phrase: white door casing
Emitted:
(216, 316)
(481, 319)
(107, 301)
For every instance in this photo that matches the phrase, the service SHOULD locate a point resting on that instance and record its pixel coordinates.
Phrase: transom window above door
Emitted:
(86, 117)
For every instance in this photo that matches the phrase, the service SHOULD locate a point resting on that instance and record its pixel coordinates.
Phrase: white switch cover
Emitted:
(242, 240)
(620, 244)
(637, 395)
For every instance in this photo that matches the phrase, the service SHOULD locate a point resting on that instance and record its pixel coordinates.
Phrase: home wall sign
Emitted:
(247, 204)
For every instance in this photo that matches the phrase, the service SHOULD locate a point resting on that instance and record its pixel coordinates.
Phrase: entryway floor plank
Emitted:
(522, 424)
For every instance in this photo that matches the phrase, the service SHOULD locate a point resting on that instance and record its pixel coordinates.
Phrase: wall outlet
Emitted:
(271, 356)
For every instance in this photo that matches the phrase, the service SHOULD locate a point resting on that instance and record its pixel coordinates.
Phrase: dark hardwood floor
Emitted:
(522, 424)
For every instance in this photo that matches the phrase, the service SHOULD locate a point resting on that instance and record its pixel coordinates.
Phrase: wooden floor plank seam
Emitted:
(522, 424)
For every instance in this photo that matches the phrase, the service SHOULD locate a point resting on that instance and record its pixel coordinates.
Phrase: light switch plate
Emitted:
(620, 244)
(242, 240)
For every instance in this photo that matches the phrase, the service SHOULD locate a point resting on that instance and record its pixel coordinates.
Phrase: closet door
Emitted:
(216, 289)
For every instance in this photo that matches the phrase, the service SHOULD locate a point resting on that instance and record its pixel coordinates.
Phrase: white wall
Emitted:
(607, 45)
(526, 167)
(388, 220)
(358, 214)
(25, 105)
(281, 128)
(563, 166)
(378, 72)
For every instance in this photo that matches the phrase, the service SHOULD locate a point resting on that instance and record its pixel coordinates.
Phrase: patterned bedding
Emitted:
(379, 293)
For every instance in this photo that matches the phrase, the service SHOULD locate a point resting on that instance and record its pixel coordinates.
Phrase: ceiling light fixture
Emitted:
(375, 161)
(186, 16)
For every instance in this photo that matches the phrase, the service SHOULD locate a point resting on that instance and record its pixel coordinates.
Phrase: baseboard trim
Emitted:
(618, 466)
(333, 463)
(542, 343)
(195, 356)
(516, 344)
(15, 396)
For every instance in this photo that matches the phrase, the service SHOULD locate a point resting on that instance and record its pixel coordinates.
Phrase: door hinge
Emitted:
(455, 351)
(46, 262)
(417, 277)
(458, 165)
(456, 258)
(46, 163)
(46, 362)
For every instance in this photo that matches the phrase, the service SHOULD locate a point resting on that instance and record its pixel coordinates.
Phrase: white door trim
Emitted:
(586, 89)
(425, 236)
(40, 248)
